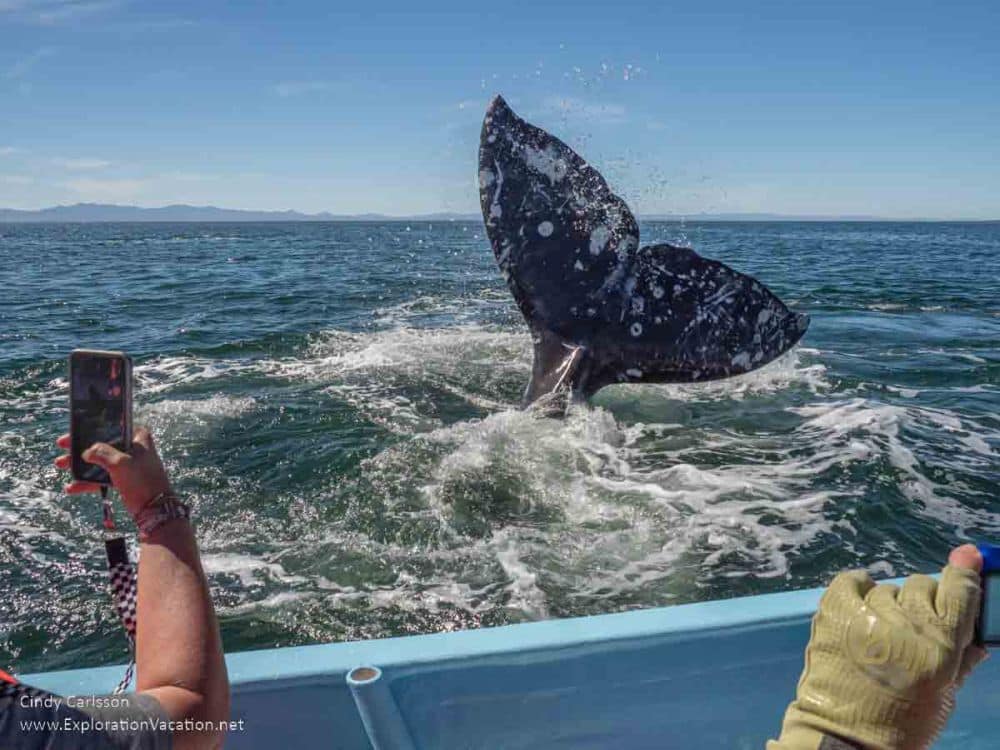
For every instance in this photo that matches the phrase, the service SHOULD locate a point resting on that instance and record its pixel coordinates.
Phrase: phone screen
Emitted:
(989, 621)
(99, 408)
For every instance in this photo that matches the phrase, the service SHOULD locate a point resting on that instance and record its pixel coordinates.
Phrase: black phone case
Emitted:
(979, 637)
(78, 465)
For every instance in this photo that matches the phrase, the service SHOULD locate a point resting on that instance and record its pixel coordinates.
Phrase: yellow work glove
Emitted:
(883, 662)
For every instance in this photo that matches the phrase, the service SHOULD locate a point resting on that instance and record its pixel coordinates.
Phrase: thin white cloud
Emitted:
(81, 163)
(90, 189)
(22, 67)
(54, 11)
(189, 176)
(9, 150)
(151, 24)
(73, 11)
(601, 112)
(15, 179)
(299, 88)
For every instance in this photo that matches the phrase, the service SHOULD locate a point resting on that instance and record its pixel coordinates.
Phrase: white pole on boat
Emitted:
(379, 713)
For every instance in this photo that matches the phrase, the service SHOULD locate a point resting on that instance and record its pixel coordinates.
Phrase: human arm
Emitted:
(179, 655)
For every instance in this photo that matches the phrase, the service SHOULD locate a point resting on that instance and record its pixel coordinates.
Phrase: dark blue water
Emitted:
(340, 404)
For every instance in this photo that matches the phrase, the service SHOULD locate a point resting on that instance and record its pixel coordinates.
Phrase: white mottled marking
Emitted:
(599, 239)
(636, 329)
(495, 209)
(504, 255)
(634, 373)
(546, 163)
(658, 292)
(546, 229)
(578, 266)
(742, 360)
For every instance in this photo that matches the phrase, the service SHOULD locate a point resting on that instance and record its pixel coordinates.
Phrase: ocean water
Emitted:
(340, 404)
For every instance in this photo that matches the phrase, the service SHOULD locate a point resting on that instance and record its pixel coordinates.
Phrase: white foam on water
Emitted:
(888, 306)
(894, 432)
(251, 571)
(283, 601)
(218, 406)
(381, 373)
(52, 395)
(526, 596)
(978, 388)
(37, 520)
(465, 311)
(955, 354)
(171, 372)
(609, 509)
(338, 352)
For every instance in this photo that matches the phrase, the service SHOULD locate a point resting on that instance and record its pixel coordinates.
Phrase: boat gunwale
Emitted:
(328, 663)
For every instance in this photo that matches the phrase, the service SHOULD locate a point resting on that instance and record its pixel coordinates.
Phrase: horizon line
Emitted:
(319, 216)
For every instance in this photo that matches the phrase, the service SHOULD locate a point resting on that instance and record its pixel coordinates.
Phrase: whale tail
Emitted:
(602, 309)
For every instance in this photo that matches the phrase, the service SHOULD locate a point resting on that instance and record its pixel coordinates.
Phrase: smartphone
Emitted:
(100, 407)
(988, 627)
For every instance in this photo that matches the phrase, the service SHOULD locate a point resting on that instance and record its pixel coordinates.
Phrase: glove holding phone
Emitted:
(988, 628)
(884, 661)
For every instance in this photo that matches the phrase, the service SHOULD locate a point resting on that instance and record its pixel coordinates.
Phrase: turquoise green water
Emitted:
(340, 404)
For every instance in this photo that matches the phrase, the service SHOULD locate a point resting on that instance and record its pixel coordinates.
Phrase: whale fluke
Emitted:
(601, 309)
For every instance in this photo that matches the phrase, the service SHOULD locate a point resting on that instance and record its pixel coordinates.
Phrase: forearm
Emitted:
(178, 648)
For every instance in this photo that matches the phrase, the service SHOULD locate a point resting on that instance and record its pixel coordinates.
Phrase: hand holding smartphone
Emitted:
(100, 407)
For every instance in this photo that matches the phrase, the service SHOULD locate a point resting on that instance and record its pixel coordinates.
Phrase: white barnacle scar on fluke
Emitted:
(599, 239)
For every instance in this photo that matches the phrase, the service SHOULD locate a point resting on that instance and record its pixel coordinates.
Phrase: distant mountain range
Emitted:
(97, 212)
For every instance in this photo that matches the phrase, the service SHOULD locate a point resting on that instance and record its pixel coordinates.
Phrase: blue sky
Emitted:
(887, 108)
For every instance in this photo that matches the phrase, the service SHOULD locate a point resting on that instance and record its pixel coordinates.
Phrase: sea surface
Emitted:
(340, 404)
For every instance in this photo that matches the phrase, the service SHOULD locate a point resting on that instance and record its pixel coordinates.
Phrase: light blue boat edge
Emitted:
(323, 661)
(714, 674)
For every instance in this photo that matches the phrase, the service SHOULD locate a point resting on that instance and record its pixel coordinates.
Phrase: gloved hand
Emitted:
(883, 662)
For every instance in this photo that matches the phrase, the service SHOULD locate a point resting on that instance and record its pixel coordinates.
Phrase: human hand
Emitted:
(138, 475)
(883, 662)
